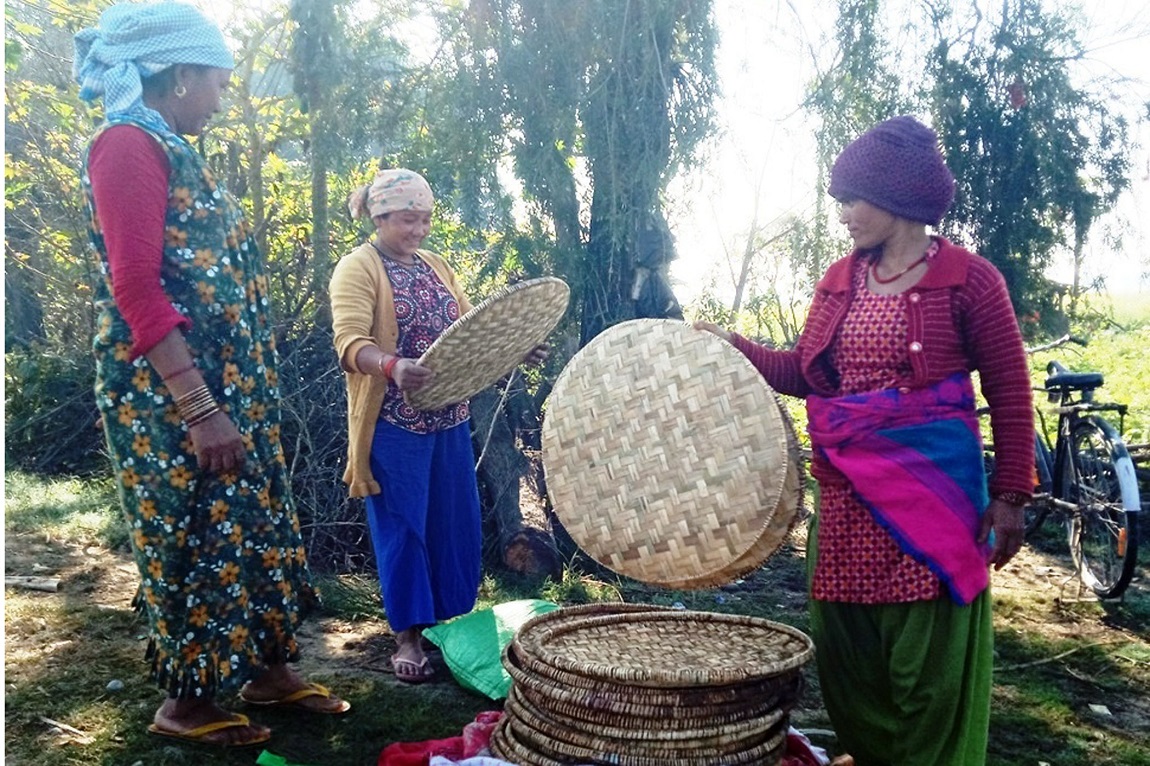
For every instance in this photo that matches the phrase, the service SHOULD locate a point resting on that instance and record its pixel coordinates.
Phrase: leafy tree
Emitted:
(1037, 158)
(619, 93)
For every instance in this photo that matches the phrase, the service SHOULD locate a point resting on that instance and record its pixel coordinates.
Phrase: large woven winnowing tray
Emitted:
(489, 341)
(672, 649)
(665, 452)
(783, 520)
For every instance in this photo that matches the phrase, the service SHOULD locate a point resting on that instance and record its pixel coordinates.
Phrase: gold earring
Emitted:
(180, 91)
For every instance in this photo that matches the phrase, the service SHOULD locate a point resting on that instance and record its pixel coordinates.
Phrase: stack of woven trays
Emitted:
(635, 685)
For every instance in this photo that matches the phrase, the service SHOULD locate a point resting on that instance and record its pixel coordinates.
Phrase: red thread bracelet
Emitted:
(387, 368)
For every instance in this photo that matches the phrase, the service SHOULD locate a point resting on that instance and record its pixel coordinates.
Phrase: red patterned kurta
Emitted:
(858, 561)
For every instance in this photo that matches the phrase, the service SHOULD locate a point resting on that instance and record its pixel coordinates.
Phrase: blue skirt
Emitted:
(425, 524)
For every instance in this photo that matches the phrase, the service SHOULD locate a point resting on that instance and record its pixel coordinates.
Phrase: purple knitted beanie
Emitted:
(897, 166)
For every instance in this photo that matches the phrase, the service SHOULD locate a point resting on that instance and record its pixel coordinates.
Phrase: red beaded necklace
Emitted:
(895, 278)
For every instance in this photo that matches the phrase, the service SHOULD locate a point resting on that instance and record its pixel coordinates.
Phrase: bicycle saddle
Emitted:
(1077, 381)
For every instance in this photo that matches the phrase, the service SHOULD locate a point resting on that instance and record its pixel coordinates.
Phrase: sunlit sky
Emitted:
(766, 58)
(762, 165)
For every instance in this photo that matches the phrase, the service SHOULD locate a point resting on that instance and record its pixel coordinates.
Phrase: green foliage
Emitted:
(51, 421)
(1037, 158)
(82, 509)
(622, 92)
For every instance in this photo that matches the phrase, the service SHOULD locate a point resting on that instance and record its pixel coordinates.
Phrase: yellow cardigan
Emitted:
(363, 314)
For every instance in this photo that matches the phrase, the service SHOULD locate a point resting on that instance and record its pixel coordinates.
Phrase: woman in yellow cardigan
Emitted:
(390, 301)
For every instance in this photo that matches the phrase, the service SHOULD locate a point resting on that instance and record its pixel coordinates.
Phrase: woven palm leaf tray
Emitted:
(666, 454)
(489, 341)
(646, 686)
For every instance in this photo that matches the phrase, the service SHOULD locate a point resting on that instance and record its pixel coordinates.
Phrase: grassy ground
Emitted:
(1071, 683)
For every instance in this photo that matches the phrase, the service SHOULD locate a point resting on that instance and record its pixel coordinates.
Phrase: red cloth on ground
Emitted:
(474, 739)
(129, 172)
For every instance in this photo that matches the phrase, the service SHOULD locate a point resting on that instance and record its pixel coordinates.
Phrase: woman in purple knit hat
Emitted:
(907, 525)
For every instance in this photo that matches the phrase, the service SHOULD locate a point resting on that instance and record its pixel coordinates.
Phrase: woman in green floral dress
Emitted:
(186, 382)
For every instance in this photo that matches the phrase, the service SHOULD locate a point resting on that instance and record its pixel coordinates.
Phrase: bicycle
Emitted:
(1087, 476)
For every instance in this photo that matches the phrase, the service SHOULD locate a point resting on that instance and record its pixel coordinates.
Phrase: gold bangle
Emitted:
(195, 404)
(196, 420)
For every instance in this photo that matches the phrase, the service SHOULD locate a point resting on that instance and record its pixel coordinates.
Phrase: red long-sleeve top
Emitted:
(959, 317)
(129, 173)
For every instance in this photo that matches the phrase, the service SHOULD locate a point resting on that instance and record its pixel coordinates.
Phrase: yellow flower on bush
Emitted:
(179, 477)
(230, 573)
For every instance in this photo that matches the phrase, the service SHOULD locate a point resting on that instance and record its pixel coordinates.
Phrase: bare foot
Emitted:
(176, 718)
(279, 681)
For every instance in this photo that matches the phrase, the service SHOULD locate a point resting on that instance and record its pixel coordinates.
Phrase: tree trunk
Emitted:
(526, 544)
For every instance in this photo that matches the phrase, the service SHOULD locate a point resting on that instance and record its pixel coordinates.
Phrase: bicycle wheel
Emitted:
(1103, 532)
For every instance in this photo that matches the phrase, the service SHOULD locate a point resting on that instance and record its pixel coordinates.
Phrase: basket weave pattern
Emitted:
(489, 341)
(665, 452)
(646, 686)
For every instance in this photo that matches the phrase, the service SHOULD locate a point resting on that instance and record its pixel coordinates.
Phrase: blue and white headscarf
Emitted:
(134, 41)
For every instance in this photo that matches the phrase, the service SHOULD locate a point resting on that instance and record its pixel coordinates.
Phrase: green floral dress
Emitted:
(224, 576)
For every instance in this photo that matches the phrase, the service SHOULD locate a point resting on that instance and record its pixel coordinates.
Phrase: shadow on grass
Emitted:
(1043, 696)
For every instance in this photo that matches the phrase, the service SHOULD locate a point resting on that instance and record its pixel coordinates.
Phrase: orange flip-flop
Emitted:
(198, 734)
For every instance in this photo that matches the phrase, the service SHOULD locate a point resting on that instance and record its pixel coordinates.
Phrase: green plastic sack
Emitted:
(472, 644)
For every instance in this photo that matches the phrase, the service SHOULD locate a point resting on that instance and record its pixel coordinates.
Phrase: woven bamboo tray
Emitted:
(698, 739)
(664, 451)
(786, 514)
(489, 341)
(672, 649)
(516, 733)
(607, 707)
(643, 701)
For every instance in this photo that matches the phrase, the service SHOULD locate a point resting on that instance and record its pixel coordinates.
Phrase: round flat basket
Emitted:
(732, 702)
(717, 737)
(783, 520)
(489, 341)
(664, 450)
(539, 743)
(674, 649)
